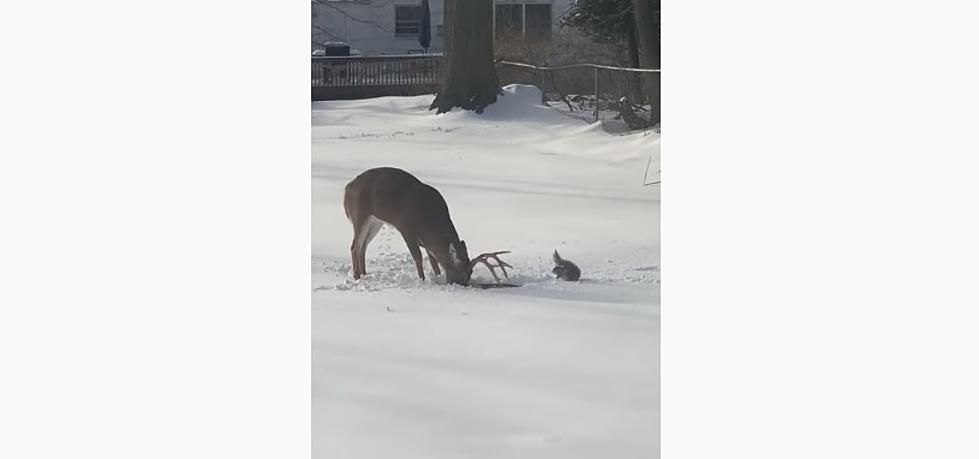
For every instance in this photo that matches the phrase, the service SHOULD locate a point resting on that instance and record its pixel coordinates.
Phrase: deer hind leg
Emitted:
(416, 253)
(435, 264)
(368, 230)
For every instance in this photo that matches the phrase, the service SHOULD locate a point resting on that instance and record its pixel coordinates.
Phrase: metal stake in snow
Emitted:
(644, 174)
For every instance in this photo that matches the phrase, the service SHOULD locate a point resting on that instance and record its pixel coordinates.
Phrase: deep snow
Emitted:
(411, 369)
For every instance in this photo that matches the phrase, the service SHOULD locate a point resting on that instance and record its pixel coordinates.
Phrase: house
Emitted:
(375, 27)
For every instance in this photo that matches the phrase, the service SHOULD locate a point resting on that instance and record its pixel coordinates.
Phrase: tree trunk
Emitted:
(637, 81)
(468, 72)
(645, 11)
(633, 48)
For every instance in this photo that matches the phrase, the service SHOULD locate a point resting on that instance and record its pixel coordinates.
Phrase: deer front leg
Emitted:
(435, 263)
(416, 253)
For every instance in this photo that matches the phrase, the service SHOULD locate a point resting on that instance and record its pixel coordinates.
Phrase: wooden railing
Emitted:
(356, 77)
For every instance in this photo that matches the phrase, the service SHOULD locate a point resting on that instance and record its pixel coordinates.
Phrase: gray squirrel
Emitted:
(565, 269)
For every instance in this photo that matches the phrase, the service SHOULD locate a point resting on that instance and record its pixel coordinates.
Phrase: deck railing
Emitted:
(384, 71)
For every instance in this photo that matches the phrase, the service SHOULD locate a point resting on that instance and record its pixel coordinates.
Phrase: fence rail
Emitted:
(579, 66)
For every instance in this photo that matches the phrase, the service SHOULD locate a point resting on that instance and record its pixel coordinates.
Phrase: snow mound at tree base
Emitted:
(517, 102)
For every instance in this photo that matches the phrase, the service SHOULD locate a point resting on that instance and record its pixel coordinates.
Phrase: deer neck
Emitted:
(447, 248)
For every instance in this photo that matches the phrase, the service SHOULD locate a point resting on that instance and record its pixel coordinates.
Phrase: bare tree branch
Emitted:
(320, 31)
(333, 6)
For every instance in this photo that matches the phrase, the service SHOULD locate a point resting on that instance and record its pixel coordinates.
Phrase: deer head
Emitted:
(455, 260)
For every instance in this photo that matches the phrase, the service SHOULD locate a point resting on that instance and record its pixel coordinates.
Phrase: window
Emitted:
(538, 22)
(407, 21)
(511, 21)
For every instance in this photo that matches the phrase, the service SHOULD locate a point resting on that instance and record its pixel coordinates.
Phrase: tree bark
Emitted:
(637, 81)
(645, 11)
(469, 78)
(633, 43)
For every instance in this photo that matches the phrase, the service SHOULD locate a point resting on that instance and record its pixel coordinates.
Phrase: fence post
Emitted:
(540, 85)
(596, 93)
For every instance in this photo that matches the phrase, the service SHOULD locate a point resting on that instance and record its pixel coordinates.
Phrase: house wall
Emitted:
(368, 25)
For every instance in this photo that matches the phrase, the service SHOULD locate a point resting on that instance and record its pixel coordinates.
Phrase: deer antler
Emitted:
(483, 258)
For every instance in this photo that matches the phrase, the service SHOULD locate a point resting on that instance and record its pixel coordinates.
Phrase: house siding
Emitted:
(370, 28)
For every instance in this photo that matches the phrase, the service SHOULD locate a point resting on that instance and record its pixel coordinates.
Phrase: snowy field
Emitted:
(409, 369)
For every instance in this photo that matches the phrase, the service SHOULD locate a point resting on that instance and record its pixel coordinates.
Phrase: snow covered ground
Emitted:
(409, 369)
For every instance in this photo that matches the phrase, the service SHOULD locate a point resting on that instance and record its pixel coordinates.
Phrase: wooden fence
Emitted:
(340, 78)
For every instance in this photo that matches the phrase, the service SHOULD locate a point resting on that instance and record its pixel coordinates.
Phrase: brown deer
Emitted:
(419, 213)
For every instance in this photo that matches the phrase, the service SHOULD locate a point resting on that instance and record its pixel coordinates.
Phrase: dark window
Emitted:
(509, 21)
(407, 21)
(538, 22)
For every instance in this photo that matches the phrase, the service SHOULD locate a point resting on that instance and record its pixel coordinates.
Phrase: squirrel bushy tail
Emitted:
(565, 269)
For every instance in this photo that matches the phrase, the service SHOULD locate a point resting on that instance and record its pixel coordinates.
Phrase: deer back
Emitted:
(403, 201)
